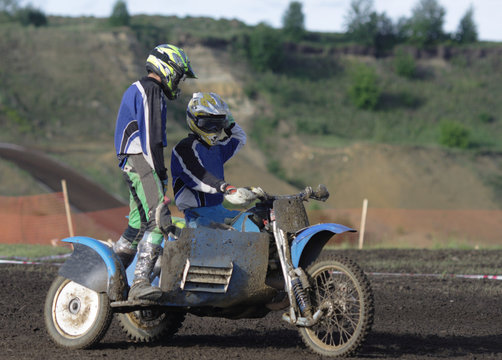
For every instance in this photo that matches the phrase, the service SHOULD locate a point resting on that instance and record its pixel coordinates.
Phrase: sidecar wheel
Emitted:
(150, 325)
(76, 317)
(341, 289)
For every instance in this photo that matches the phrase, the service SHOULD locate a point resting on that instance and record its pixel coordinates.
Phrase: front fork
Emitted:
(295, 280)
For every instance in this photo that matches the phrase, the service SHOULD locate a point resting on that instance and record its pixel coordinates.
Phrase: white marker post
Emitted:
(67, 207)
(363, 223)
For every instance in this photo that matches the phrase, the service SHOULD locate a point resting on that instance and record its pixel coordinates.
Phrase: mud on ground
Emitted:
(415, 318)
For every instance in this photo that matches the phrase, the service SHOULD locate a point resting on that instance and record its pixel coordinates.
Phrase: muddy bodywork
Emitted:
(217, 268)
(94, 265)
(307, 241)
(290, 215)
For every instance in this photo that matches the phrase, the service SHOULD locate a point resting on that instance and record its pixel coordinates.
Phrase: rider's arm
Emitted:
(236, 139)
(156, 129)
(192, 172)
(151, 124)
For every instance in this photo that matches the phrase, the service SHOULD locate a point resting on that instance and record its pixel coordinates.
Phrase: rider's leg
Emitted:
(147, 192)
(126, 246)
(148, 253)
(124, 250)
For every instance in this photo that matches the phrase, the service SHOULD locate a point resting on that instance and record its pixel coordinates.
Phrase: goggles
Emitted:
(212, 124)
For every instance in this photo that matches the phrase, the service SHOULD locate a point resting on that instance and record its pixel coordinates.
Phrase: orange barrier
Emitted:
(41, 219)
(420, 228)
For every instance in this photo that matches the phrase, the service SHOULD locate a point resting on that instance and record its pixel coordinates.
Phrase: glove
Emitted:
(227, 189)
(241, 197)
(163, 217)
(231, 120)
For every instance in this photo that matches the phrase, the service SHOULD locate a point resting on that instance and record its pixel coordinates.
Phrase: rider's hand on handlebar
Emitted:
(241, 196)
(228, 189)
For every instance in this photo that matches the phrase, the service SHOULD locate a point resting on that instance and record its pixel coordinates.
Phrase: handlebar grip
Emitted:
(321, 193)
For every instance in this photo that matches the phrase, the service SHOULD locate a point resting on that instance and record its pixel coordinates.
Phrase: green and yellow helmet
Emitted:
(207, 116)
(172, 65)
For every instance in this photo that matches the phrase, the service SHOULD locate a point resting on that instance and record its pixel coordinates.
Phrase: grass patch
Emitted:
(31, 251)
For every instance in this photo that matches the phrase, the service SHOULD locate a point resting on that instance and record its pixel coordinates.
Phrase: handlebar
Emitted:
(320, 193)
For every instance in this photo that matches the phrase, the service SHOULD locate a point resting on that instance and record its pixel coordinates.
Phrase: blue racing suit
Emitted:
(198, 174)
(140, 138)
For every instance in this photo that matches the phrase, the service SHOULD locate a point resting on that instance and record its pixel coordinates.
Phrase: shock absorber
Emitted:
(302, 298)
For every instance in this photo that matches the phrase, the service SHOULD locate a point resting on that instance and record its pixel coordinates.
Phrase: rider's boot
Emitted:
(141, 288)
(124, 251)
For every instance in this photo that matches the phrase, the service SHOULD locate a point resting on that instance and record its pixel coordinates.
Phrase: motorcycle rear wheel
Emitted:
(151, 325)
(76, 317)
(342, 290)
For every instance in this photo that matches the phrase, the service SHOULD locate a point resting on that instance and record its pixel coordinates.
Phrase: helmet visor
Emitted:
(212, 124)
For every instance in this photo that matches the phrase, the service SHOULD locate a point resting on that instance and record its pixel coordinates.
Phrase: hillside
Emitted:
(60, 88)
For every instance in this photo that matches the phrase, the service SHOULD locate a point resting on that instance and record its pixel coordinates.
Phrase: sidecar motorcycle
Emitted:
(268, 258)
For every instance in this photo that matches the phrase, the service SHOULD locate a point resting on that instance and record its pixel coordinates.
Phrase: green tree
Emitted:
(467, 31)
(31, 16)
(120, 14)
(265, 48)
(382, 31)
(7, 10)
(293, 21)
(369, 28)
(426, 23)
(9, 6)
(357, 20)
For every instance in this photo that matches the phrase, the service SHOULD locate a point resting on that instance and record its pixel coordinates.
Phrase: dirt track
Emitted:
(416, 318)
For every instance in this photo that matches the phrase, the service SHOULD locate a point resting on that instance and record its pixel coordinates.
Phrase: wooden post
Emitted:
(67, 207)
(363, 223)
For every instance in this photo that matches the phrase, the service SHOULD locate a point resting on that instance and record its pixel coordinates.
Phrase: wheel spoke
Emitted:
(340, 289)
(337, 289)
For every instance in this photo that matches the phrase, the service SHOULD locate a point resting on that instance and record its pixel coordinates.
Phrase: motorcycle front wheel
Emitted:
(341, 289)
(76, 317)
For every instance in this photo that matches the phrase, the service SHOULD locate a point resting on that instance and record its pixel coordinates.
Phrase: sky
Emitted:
(320, 15)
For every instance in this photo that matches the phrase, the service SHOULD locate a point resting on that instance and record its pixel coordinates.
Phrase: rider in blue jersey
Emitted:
(140, 138)
(197, 160)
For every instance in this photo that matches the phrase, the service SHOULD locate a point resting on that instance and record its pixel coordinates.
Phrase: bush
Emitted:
(365, 91)
(265, 48)
(454, 135)
(405, 64)
(486, 118)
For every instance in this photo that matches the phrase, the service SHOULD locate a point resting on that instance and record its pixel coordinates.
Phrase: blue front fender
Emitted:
(309, 242)
(94, 265)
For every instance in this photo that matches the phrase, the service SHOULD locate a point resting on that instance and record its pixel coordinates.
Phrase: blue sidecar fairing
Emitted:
(93, 264)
